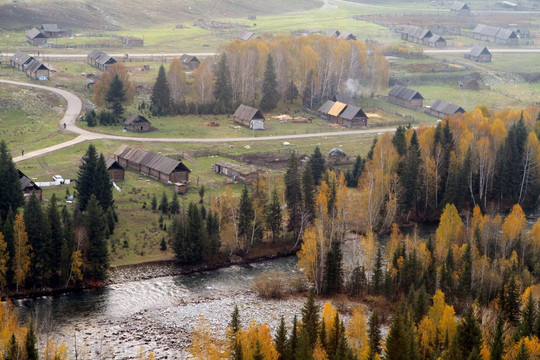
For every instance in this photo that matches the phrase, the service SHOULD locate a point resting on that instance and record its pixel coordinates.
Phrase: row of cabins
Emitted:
(160, 167)
(495, 34)
(422, 36)
(100, 60)
(346, 115)
(30, 66)
(412, 99)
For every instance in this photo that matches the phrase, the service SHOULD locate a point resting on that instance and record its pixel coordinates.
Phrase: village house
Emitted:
(479, 53)
(132, 41)
(116, 171)
(507, 37)
(522, 32)
(100, 60)
(190, 62)
(495, 34)
(436, 41)
(343, 114)
(250, 117)
(416, 34)
(28, 186)
(241, 173)
(405, 97)
(247, 35)
(441, 108)
(346, 36)
(160, 167)
(460, 8)
(137, 123)
(30, 66)
(52, 31)
(333, 32)
(35, 37)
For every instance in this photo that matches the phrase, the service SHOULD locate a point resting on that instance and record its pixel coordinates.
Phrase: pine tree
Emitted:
(310, 318)
(164, 204)
(37, 228)
(161, 93)
(374, 334)
(10, 188)
(377, 277)
(528, 317)
(97, 253)
(213, 236)
(469, 335)
(291, 93)
(30, 343)
(292, 343)
(257, 352)
(12, 352)
(103, 185)
(420, 304)
(175, 205)
(304, 350)
(333, 337)
(245, 216)
(512, 303)
(235, 324)
(189, 236)
(333, 269)
(274, 217)
(401, 341)
(408, 174)
(317, 164)
(293, 194)
(399, 141)
(222, 88)
(372, 148)
(153, 204)
(308, 193)
(281, 340)
(497, 344)
(93, 179)
(115, 97)
(269, 93)
(201, 194)
(56, 237)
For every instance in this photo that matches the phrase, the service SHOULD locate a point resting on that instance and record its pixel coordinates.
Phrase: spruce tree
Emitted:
(7, 231)
(401, 341)
(523, 353)
(57, 239)
(269, 93)
(12, 352)
(399, 141)
(31, 343)
(292, 343)
(293, 194)
(257, 352)
(512, 302)
(175, 205)
(528, 317)
(103, 185)
(274, 216)
(333, 337)
(408, 174)
(245, 216)
(374, 334)
(222, 88)
(189, 236)
(468, 335)
(93, 178)
(333, 271)
(161, 93)
(308, 194)
(97, 253)
(377, 277)
(37, 228)
(164, 204)
(153, 203)
(281, 340)
(310, 318)
(421, 304)
(115, 97)
(235, 323)
(497, 344)
(291, 93)
(11, 195)
(465, 279)
(372, 148)
(304, 350)
(213, 235)
(317, 165)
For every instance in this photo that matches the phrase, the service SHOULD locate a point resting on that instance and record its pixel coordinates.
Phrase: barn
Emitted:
(116, 171)
(28, 186)
(479, 53)
(416, 34)
(436, 41)
(241, 173)
(30, 66)
(132, 41)
(441, 108)
(343, 114)
(190, 62)
(137, 123)
(405, 97)
(160, 167)
(35, 37)
(247, 35)
(99, 59)
(250, 117)
(52, 31)
(346, 36)
(460, 8)
(507, 37)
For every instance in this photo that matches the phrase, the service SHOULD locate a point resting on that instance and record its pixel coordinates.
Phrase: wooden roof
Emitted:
(34, 33)
(506, 34)
(459, 5)
(346, 36)
(486, 30)
(404, 93)
(478, 50)
(161, 163)
(50, 28)
(112, 164)
(135, 118)
(436, 38)
(35, 65)
(242, 169)
(21, 58)
(325, 108)
(247, 113)
(247, 35)
(25, 181)
(417, 32)
(337, 108)
(446, 108)
(186, 59)
(352, 111)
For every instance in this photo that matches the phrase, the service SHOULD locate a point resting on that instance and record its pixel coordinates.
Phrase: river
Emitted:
(157, 314)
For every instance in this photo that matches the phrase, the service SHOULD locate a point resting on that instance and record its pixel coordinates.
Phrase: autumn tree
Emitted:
(22, 256)
(176, 78)
(203, 83)
(101, 88)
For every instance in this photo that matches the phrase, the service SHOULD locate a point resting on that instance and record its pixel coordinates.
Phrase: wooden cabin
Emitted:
(160, 167)
(30, 66)
(100, 60)
(436, 41)
(116, 171)
(132, 41)
(53, 31)
(250, 117)
(242, 173)
(479, 53)
(28, 186)
(35, 37)
(137, 123)
(247, 35)
(346, 36)
(190, 62)
(441, 108)
(343, 114)
(460, 8)
(404, 96)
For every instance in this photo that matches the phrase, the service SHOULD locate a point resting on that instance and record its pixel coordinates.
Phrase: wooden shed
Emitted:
(250, 117)
(190, 62)
(436, 41)
(137, 123)
(28, 186)
(247, 35)
(506, 37)
(441, 108)
(35, 37)
(460, 8)
(29, 66)
(99, 59)
(479, 53)
(343, 114)
(52, 30)
(346, 36)
(116, 171)
(241, 173)
(405, 97)
(160, 167)
(416, 34)
(132, 41)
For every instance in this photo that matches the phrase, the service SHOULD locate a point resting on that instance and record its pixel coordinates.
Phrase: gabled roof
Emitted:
(35, 65)
(446, 108)
(111, 163)
(186, 59)
(161, 163)
(346, 36)
(104, 59)
(50, 28)
(333, 32)
(248, 113)
(478, 50)
(325, 108)
(135, 118)
(95, 54)
(417, 32)
(337, 108)
(404, 93)
(436, 38)
(486, 30)
(26, 182)
(458, 5)
(247, 35)
(352, 111)
(21, 58)
(506, 34)
(35, 33)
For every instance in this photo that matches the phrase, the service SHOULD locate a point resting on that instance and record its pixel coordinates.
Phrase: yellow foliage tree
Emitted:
(357, 333)
(448, 232)
(203, 83)
(76, 265)
(54, 352)
(204, 345)
(308, 257)
(101, 87)
(427, 337)
(4, 258)
(249, 336)
(21, 259)
(176, 77)
(512, 229)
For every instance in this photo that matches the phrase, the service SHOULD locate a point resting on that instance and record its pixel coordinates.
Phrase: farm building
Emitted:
(35, 37)
(460, 8)
(250, 117)
(346, 36)
(99, 59)
(247, 35)
(116, 171)
(507, 37)
(495, 34)
(29, 66)
(343, 114)
(441, 108)
(333, 32)
(241, 173)
(137, 123)
(180, 188)
(28, 186)
(416, 34)
(132, 41)
(405, 97)
(52, 31)
(522, 32)
(479, 53)
(190, 62)
(508, 5)
(160, 167)
(436, 41)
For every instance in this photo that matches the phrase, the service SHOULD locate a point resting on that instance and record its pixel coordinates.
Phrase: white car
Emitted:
(58, 178)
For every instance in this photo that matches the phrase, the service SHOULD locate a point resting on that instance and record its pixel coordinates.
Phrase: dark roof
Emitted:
(506, 34)
(346, 36)
(21, 58)
(344, 98)
(95, 54)
(436, 38)
(135, 118)
(50, 28)
(34, 33)
(104, 59)
(245, 112)
(35, 65)
(458, 5)
(246, 35)
(186, 59)
(337, 152)
(446, 108)
(161, 163)
(486, 30)
(325, 108)
(111, 163)
(478, 50)
(417, 32)
(352, 111)
(25, 181)
(333, 32)
(404, 93)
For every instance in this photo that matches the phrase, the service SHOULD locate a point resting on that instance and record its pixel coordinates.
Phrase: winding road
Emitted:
(74, 107)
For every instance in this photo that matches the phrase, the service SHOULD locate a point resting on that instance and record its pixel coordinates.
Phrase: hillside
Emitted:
(121, 14)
